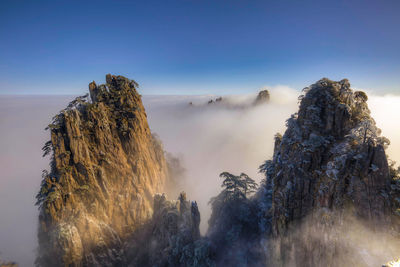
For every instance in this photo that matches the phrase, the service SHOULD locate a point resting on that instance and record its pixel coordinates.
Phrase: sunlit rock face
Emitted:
(329, 164)
(105, 168)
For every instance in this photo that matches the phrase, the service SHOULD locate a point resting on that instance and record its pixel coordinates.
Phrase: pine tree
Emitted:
(238, 187)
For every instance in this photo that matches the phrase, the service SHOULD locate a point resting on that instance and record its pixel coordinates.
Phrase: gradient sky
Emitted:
(198, 46)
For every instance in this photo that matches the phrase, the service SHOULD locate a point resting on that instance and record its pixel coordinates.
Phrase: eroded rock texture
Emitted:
(105, 168)
(329, 165)
(172, 237)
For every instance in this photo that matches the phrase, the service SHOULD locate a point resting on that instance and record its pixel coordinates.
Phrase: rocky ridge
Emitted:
(262, 97)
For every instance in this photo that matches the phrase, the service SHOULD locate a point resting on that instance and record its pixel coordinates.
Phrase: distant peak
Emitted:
(262, 97)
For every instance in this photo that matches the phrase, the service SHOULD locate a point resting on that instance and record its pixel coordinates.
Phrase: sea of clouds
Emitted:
(229, 136)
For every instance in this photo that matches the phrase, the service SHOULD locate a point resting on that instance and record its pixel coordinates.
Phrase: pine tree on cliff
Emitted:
(238, 187)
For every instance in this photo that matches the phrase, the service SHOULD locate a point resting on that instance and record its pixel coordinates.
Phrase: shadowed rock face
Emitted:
(331, 154)
(329, 171)
(171, 238)
(331, 159)
(105, 168)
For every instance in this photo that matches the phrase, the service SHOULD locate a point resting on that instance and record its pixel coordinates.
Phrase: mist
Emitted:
(340, 239)
(22, 135)
(232, 135)
(236, 136)
(386, 112)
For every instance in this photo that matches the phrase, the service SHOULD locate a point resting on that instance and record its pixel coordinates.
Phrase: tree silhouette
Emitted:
(238, 187)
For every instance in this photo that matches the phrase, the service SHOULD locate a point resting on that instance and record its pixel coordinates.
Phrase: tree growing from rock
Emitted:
(238, 187)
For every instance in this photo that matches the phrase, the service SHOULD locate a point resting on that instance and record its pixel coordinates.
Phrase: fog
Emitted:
(231, 135)
(22, 135)
(386, 112)
(339, 239)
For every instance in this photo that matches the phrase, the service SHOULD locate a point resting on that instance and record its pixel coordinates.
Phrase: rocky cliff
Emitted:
(329, 198)
(330, 155)
(106, 167)
(329, 172)
(171, 238)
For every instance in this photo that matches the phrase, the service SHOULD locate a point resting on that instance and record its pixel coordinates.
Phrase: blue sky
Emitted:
(198, 46)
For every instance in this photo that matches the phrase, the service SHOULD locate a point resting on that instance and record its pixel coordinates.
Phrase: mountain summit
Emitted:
(329, 174)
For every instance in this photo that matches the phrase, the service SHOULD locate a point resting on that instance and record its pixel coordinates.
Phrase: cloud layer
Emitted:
(209, 139)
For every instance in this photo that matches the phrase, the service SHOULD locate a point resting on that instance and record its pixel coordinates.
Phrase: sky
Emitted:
(198, 46)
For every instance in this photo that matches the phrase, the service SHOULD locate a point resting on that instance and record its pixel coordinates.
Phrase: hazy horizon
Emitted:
(191, 47)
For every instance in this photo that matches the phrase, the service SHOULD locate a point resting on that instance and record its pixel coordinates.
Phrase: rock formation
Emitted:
(330, 165)
(327, 187)
(262, 97)
(229, 102)
(171, 238)
(106, 167)
(331, 154)
(216, 101)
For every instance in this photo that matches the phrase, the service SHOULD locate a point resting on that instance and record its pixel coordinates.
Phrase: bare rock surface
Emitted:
(329, 167)
(330, 156)
(105, 168)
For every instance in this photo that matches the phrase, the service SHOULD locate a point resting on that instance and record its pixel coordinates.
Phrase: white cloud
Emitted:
(209, 138)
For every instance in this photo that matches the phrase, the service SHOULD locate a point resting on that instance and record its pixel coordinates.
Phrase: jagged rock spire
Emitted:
(105, 168)
(331, 155)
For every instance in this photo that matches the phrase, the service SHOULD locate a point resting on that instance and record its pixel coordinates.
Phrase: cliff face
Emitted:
(329, 197)
(329, 166)
(105, 168)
